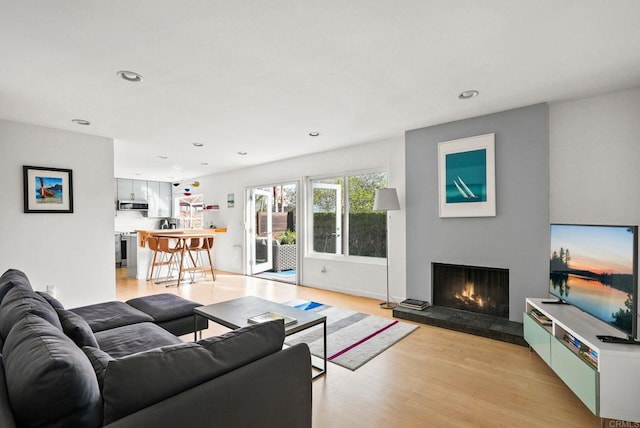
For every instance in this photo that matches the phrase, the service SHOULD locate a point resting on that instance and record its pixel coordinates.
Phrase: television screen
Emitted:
(595, 269)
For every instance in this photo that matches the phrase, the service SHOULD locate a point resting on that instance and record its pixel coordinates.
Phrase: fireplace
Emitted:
(471, 288)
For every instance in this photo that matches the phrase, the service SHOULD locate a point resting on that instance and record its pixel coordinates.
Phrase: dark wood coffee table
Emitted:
(234, 313)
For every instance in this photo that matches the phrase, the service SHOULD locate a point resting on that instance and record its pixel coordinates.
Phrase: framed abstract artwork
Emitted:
(467, 177)
(47, 190)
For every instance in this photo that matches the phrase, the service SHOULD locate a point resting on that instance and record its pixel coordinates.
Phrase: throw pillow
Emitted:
(99, 360)
(55, 303)
(13, 278)
(245, 345)
(139, 380)
(19, 302)
(77, 329)
(6, 415)
(49, 379)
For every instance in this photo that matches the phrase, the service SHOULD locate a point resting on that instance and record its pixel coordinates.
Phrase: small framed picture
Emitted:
(47, 190)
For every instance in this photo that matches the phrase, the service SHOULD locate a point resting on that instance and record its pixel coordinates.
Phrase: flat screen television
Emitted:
(595, 268)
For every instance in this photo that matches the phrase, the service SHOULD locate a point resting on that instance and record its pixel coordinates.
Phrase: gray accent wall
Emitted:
(517, 238)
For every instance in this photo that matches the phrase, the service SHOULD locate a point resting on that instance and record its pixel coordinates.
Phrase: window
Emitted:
(344, 222)
(189, 212)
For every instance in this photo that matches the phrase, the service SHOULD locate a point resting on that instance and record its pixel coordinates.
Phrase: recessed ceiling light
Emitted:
(314, 134)
(465, 95)
(177, 167)
(204, 163)
(163, 157)
(242, 153)
(130, 76)
(81, 122)
(198, 144)
(136, 173)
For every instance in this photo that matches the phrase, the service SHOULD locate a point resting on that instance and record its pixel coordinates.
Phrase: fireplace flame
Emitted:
(468, 295)
(468, 290)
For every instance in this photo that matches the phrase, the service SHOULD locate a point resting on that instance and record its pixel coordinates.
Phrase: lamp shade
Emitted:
(386, 200)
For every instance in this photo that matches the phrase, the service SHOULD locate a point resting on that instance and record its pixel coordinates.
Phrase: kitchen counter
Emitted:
(144, 234)
(141, 258)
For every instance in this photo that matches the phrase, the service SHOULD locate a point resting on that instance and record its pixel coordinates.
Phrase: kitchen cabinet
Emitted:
(166, 199)
(159, 198)
(132, 190)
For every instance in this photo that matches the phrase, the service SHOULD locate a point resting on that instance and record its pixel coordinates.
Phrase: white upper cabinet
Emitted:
(132, 190)
(159, 198)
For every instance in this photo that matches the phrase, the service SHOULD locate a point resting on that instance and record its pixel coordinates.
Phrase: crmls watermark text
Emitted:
(622, 424)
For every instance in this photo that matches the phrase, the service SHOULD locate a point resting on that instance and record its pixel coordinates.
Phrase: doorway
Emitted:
(272, 242)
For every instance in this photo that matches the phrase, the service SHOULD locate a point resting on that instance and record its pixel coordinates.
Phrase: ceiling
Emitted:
(259, 76)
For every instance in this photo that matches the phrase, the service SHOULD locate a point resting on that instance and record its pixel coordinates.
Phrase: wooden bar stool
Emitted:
(200, 245)
(174, 256)
(153, 245)
(195, 245)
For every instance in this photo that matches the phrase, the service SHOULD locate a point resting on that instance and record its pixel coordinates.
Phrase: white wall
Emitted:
(594, 159)
(358, 278)
(130, 221)
(73, 252)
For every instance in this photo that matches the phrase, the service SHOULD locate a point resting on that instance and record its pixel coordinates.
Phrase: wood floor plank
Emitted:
(432, 378)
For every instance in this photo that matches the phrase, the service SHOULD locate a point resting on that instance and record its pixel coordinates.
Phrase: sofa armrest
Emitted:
(272, 391)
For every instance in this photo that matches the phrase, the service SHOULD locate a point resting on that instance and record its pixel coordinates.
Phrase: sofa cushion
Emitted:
(55, 303)
(76, 328)
(140, 380)
(12, 278)
(184, 325)
(6, 415)
(99, 360)
(247, 344)
(129, 339)
(164, 306)
(49, 380)
(19, 302)
(104, 316)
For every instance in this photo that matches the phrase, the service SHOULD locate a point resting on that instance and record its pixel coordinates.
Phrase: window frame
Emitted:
(344, 257)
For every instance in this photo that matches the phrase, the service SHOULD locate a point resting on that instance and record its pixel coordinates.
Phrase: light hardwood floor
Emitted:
(432, 378)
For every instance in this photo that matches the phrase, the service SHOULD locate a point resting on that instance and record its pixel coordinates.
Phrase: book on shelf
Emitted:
(572, 341)
(270, 316)
(542, 318)
(593, 363)
(414, 304)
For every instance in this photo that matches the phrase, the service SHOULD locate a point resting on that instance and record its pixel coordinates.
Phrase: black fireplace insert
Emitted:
(471, 288)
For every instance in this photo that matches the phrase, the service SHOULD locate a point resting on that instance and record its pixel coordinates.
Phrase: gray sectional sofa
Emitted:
(103, 367)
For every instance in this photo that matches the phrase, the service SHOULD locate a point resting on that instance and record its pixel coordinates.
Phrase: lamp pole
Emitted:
(386, 200)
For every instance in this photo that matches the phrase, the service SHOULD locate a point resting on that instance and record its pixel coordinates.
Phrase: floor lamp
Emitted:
(386, 200)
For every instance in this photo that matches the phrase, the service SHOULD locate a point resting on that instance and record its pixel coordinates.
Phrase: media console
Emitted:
(604, 375)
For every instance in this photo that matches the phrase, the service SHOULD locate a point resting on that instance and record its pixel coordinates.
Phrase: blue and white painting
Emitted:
(466, 177)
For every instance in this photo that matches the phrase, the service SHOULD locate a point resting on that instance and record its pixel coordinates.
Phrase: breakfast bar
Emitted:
(183, 245)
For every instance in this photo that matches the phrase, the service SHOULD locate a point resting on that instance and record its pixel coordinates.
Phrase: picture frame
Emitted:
(47, 190)
(467, 176)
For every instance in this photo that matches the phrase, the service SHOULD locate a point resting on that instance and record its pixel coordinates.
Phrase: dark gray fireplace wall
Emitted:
(517, 238)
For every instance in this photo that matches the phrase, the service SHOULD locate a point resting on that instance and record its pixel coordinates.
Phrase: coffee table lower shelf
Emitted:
(234, 313)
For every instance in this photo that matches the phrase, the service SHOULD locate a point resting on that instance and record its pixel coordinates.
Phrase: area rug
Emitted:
(353, 338)
(285, 275)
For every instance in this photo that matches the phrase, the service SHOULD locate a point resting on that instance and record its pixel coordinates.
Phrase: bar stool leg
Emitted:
(206, 246)
(153, 265)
